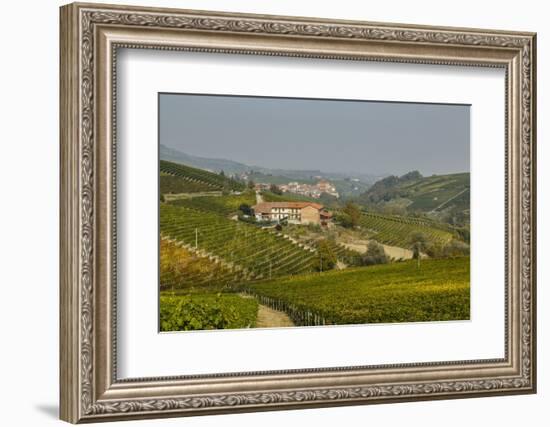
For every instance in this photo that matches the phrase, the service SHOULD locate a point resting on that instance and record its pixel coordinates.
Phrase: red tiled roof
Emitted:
(266, 207)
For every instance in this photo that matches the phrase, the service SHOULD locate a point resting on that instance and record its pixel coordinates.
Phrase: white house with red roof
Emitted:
(293, 212)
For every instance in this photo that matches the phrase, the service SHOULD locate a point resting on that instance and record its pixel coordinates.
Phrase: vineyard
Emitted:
(216, 271)
(259, 253)
(397, 230)
(430, 192)
(268, 196)
(341, 253)
(170, 184)
(199, 176)
(399, 292)
(223, 205)
(183, 270)
(206, 311)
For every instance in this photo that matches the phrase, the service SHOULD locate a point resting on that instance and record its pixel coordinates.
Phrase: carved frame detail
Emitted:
(80, 399)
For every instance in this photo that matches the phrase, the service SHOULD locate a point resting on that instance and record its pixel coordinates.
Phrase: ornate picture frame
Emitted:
(90, 37)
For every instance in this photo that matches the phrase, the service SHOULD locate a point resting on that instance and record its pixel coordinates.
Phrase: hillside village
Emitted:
(308, 190)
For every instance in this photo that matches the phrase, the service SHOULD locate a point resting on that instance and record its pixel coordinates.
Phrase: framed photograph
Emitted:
(266, 212)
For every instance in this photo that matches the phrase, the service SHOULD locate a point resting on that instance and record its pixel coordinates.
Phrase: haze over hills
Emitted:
(444, 196)
(232, 167)
(214, 165)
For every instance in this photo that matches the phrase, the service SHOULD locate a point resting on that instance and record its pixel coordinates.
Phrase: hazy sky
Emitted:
(333, 136)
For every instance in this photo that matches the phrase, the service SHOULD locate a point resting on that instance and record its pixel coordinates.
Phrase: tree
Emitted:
(353, 212)
(375, 254)
(222, 173)
(275, 190)
(245, 209)
(456, 248)
(344, 220)
(418, 244)
(327, 259)
(251, 184)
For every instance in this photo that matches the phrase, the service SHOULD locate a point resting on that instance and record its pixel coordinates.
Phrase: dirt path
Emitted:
(269, 318)
(259, 198)
(392, 251)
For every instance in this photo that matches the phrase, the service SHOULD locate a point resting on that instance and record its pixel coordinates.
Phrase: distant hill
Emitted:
(213, 165)
(344, 181)
(435, 195)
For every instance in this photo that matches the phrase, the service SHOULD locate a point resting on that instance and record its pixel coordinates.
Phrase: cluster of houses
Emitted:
(308, 190)
(292, 212)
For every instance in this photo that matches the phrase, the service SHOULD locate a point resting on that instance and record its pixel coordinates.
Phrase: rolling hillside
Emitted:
(216, 165)
(171, 184)
(223, 205)
(415, 193)
(397, 230)
(258, 252)
(398, 292)
(219, 270)
(200, 178)
(182, 269)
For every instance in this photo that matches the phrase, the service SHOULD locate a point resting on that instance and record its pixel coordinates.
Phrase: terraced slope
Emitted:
(397, 230)
(260, 253)
(437, 192)
(422, 194)
(212, 180)
(182, 270)
(223, 205)
(171, 184)
(343, 254)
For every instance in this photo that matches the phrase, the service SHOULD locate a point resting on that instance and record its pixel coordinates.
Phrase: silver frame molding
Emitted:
(90, 37)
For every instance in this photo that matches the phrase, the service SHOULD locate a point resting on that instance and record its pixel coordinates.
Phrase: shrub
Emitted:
(456, 248)
(344, 220)
(246, 209)
(375, 254)
(275, 190)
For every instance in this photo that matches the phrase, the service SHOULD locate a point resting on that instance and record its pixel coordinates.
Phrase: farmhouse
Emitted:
(293, 212)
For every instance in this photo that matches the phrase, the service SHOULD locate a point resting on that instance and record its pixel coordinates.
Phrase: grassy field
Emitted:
(400, 292)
